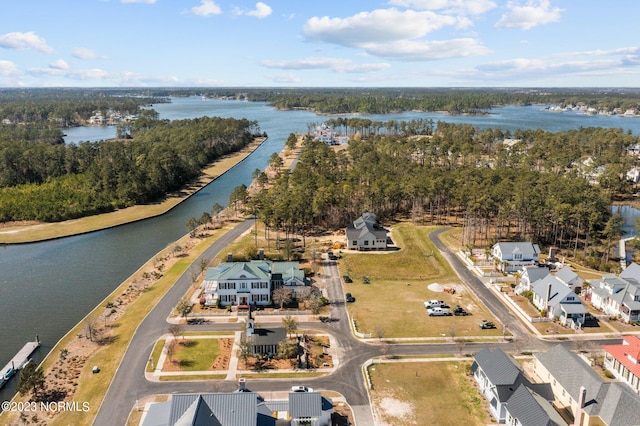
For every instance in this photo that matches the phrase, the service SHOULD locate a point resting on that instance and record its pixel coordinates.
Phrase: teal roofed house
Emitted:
(250, 283)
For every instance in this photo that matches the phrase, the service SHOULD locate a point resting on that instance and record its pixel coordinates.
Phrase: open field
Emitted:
(197, 354)
(426, 393)
(21, 233)
(400, 281)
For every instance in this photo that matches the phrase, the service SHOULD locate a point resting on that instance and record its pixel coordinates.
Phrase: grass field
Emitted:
(196, 354)
(426, 393)
(392, 304)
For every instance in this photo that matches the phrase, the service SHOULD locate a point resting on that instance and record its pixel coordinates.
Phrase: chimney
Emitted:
(578, 415)
(242, 384)
(229, 257)
(548, 296)
(261, 254)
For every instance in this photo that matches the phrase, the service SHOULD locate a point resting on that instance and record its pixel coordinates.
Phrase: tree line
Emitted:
(537, 189)
(45, 181)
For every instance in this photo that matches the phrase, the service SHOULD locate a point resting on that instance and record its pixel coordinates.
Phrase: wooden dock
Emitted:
(21, 359)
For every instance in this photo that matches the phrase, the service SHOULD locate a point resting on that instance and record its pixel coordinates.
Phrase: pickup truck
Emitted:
(438, 312)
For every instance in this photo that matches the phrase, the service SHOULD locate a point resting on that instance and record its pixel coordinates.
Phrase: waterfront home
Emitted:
(554, 297)
(513, 256)
(250, 283)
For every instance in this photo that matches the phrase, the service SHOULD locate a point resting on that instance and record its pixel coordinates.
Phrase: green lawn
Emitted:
(436, 393)
(196, 354)
(155, 355)
(392, 304)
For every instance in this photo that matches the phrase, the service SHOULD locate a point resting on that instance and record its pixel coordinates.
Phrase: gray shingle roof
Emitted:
(214, 409)
(499, 367)
(532, 409)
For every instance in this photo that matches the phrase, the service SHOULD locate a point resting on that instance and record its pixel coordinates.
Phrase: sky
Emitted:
(311, 43)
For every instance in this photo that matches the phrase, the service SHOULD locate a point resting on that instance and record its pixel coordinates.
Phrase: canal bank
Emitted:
(38, 232)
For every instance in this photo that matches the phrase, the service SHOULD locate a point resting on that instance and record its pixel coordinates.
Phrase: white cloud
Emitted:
(390, 33)
(60, 64)
(534, 13)
(84, 53)
(619, 51)
(138, 1)
(261, 11)
(8, 69)
(335, 64)
(409, 50)
(284, 78)
(24, 41)
(463, 7)
(206, 8)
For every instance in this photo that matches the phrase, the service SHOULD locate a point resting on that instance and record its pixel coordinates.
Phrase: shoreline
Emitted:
(39, 232)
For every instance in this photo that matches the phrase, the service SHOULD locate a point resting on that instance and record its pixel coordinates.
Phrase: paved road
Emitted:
(130, 385)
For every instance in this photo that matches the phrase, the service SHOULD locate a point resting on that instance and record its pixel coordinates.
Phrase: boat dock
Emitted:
(21, 359)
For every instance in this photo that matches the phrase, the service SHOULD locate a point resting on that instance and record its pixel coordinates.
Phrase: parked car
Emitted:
(487, 324)
(301, 389)
(350, 298)
(459, 311)
(347, 279)
(434, 303)
(438, 312)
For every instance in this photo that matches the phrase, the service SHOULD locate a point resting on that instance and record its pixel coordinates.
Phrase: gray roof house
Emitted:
(583, 393)
(513, 256)
(618, 295)
(559, 301)
(529, 275)
(240, 409)
(570, 278)
(365, 233)
(527, 408)
(498, 375)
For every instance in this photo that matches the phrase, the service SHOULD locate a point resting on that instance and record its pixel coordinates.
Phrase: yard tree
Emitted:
(245, 351)
(176, 330)
(291, 142)
(281, 296)
(31, 380)
(183, 307)
(290, 324)
(192, 227)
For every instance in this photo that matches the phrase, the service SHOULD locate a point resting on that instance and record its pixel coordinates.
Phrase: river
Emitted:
(46, 288)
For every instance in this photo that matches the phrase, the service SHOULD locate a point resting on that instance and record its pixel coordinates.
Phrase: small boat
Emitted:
(10, 372)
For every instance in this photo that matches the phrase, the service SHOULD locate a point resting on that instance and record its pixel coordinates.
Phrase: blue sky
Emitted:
(305, 43)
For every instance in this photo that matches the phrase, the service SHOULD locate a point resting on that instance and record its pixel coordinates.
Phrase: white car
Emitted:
(301, 389)
(433, 303)
(438, 312)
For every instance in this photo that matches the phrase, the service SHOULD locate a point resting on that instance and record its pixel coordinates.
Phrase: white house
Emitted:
(499, 376)
(249, 283)
(570, 279)
(529, 275)
(365, 233)
(618, 295)
(513, 256)
(559, 301)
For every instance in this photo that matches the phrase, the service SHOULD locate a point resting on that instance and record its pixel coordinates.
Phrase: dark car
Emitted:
(350, 298)
(487, 324)
(459, 311)
(347, 279)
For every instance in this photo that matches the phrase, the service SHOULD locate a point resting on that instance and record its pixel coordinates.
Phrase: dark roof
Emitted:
(268, 336)
(532, 409)
(305, 404)
(499, 367)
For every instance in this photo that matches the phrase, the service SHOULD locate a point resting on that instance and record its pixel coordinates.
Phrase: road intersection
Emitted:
(131, 385)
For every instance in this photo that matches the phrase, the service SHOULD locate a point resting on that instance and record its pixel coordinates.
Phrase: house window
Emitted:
(366, 242)
(517, 256)
(355, 243)
(571, 298)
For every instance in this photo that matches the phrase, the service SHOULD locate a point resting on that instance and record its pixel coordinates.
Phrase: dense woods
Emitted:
(41, 178)
(538, 189)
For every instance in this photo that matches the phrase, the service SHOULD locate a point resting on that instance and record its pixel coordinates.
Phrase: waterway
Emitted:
(46, 288)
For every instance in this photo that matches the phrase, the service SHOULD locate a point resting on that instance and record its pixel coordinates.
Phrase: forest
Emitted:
(43, 179)
(537, 189)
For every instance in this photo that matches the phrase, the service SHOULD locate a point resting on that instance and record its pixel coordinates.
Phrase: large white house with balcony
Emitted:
(250, 283)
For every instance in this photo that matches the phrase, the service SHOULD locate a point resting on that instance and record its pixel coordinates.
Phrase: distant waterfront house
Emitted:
(513, 256)
(249, 283)
(624, 361)
(558, 300)
(240, 409)
(365, 233)
(618, 295)
(499, 376)
(579, 391)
